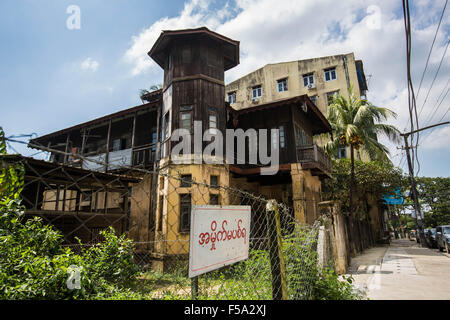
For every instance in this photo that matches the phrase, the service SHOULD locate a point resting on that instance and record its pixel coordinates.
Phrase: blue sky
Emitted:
(52, 77)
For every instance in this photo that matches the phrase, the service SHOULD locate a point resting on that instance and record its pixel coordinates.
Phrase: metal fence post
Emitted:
(277, 267)
(194, 288)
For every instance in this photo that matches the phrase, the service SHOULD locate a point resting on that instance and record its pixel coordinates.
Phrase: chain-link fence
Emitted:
(153, 207)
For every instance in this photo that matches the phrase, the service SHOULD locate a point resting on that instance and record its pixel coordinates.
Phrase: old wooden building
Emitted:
(194, 63)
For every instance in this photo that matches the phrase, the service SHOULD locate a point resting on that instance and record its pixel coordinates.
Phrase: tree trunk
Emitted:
(356, 220)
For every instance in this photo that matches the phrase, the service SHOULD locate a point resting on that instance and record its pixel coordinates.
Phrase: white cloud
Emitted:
(274, 31)
(438, 139)
(89, 64)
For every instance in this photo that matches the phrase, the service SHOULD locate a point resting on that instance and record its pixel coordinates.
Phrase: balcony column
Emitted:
(298, 192)
(66, 157)
(133, 132)
(108, 137)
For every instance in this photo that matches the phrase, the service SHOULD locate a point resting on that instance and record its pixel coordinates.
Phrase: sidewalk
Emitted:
(402, 271)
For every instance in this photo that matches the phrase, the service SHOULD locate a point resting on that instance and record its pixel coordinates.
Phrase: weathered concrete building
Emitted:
(318, 78)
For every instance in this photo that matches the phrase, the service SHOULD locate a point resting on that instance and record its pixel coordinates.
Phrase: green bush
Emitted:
(34, 265)
(111, 260)
(328, 286)
(306, 280)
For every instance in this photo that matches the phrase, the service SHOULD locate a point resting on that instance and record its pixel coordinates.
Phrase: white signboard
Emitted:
(219, 237)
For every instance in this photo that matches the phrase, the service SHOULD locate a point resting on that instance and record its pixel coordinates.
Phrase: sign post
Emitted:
(277, 266)
(219, 237)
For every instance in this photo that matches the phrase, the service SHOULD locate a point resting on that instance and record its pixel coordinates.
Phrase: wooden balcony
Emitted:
(314, 158)
(144, 156)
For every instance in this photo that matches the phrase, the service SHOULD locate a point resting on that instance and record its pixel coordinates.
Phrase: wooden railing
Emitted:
(144, 155)
(313, 154)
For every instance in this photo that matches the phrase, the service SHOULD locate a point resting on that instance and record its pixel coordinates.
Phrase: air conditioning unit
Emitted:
(311, 86)
(255, 100)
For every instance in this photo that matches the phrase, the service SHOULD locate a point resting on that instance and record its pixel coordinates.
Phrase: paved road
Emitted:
(402, 271)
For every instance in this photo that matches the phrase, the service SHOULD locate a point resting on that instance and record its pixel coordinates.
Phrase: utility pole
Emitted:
(413, 181)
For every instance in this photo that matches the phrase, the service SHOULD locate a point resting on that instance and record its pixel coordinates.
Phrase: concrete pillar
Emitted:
(322, 248)
(340, 244)
(298, 192)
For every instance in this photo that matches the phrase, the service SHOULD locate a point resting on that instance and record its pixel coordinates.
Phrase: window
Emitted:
(119, 144)
(282, 137)
(166, 124)
(308, 79)
(213, 199)
(342, 153)
(232, 97)
(330, 96)
(185, 120)
(185, 212)
(160, 213)
(282, 85)
(301, 137)
(116, 145)
(86, 198)
(186, 180)
(330, 74)
(154, 140)
(256, 92)
(214, 181)
(212, 120)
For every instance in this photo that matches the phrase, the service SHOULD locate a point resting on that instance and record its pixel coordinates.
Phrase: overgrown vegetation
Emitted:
(435, 196)
(375, 178)
(34, 264)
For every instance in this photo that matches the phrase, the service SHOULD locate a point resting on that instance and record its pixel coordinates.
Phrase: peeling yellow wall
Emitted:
(306, 191)
(170, 240)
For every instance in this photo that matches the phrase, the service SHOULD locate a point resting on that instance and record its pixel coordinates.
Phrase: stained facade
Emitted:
(194, 63)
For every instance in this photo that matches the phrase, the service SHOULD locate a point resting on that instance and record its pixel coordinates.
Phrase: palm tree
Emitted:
(356, 123)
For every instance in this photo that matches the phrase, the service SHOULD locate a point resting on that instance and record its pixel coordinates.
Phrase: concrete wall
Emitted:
(306, 194)
(268, 75)
(141, 227)
(169, 239)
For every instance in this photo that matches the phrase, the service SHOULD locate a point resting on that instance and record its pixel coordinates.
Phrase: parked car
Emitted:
(443, 238)
(431, 237)
(412, 235)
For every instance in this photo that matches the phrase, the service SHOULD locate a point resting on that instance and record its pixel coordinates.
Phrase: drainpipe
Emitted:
(347, 78)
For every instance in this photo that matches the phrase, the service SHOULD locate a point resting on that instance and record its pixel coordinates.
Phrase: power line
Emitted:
(435, 76)
(431, 48)
(436, 108)
(442, 118)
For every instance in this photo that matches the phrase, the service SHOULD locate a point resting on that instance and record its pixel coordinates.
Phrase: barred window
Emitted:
(186, 180)
(214, 181)
(213, 199)
(185, 212)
